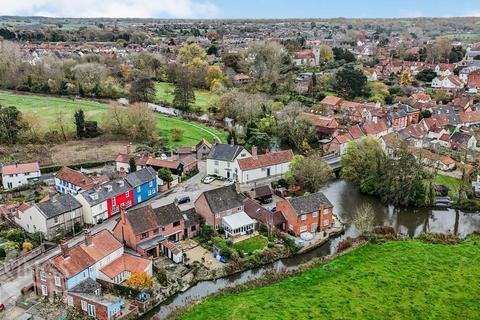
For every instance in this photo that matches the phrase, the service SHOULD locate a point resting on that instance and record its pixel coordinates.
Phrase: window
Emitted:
(326, 223)
(114, 202)
(315, 214)
(150, 184)
(91, 310)
(44, 290)
(303, 217)
(217, 215)
(129, 203)
(84, 305)
(290, 226)
(127, 194)
(57, 281)
(43, 276)
(216, 162)
(138, 189)
(163, 228)
(194, 228)
(114, 209)
(70, 301)
(55, 220)
(144, 235)
(229, 212)
(325, 211)
(303, 228)
(139, 199)
(176, 223)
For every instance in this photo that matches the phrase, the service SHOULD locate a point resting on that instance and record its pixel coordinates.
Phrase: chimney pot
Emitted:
(64, 248)
(254, 152)
(88, 237)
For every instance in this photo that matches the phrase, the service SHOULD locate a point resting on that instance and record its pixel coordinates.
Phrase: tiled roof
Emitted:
(224, 152)
(224, 198)
(205, 142)
(469, 117)
(373, 128)
(74, 177)
(126, 262)
(331, 100)
(20, 168)
(265, 160)
(257, 212)
(137, 178)
(319, 121)
(356, 132)
(310, 202)
(146, 218)
(169, 164)
(57, 205)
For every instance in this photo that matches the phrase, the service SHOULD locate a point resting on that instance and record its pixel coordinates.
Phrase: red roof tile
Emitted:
(20, 168)
(126, 262)
(75, 177)
(265, 160)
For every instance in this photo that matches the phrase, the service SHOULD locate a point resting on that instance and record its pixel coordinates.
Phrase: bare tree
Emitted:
(363, 218)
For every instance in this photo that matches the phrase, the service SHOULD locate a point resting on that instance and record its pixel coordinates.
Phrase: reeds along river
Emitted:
(346, 199)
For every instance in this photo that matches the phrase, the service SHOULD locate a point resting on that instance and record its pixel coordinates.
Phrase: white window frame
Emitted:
(303, 228)
(315, 214)
(57, 280)
(326, 211)
(70, 301)
(217, 215)
(303, 217)
(84, 305)
(326, 222)
(44, 290)
(139, 189)
(43, 276)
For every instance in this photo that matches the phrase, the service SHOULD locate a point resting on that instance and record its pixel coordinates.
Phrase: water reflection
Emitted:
(346, 199)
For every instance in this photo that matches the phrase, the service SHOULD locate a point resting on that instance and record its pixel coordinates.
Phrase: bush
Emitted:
(345, 244)
(161, 276)
(439, 238)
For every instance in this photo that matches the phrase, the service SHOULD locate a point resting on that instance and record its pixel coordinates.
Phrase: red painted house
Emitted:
(121, 196)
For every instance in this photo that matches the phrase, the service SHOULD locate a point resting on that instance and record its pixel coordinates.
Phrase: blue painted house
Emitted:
(144, 184)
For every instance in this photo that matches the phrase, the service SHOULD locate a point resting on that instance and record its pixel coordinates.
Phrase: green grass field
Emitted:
(46, 109)
(165, 93)
(251, 244)
(450, 182)
(395, 280)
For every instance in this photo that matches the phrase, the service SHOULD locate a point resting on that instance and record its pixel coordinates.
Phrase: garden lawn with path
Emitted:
(251, 244)
(395, 280)
(46, 109)
(165, 92)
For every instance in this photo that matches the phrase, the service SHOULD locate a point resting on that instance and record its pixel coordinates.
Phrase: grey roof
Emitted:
(191, 217)
(225, 152)
(140, 177)
(57, 205)
(224, 198)
(98, 195)
(146, 218)
(151, 243)
(407, 108)
(310, 202)
(87, 286)
(461, 137)
(398, 114)
(450, 112)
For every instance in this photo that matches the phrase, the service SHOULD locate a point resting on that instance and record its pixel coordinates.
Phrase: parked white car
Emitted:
(208, 179)
(228, 182)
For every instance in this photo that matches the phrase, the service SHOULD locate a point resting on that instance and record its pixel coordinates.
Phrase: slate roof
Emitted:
(191, 218)
(140, 177)
(87, 286)
(257, 212)
(310, 202)
(224, 198)
(57, 205)
(224, 152)
(263, 191)
(95, 196)
(146, 218)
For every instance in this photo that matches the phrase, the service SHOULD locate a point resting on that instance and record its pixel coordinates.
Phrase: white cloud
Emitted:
(110, 8)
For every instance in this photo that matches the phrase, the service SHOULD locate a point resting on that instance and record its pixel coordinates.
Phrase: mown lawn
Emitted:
(165, 93)
(47, 108)
(450, 182)
(395, 280)
(251, 244)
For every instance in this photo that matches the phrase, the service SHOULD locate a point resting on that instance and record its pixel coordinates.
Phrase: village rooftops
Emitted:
(57, 205)
(20, 168)
(310, 203)
(224, 198)
(106, 191)
(146, 218)
(137, 178)
(224, 152)
(75, 177)
(265, 160)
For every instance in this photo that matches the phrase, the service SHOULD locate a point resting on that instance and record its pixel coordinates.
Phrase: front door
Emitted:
(268, 172)
(228, 174)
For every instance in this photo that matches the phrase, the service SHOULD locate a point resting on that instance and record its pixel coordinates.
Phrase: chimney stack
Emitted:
(129, 149)
(88, 237)
(254, 152)
(64, 248)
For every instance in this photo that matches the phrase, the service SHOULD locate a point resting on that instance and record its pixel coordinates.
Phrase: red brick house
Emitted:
(215, 204)
(153, 231)
(309, 213)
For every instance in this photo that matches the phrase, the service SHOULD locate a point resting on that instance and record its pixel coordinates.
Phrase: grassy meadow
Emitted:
(394, 280)
(46, 110)
(165, 93)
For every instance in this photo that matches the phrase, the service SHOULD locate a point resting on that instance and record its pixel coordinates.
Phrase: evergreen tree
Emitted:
(80, 123)
(132, 164)
(184, 95)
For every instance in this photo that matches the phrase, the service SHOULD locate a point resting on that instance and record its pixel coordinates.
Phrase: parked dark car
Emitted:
(183, 200)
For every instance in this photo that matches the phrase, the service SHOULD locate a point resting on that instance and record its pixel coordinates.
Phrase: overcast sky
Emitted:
(241, 8)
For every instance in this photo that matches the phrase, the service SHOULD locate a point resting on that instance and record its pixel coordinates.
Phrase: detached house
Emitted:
(16, 175)
(143, 183)
(221, 161)
(53, 217)
(263, 166)
(308, 213)
(153, 231)
(215, 204)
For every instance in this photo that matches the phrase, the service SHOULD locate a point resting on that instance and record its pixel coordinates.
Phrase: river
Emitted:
(345, 198)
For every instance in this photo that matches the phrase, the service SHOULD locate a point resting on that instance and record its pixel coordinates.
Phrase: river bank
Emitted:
(396, 279)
